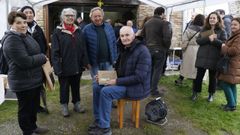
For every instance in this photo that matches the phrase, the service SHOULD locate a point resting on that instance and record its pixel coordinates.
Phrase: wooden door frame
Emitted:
(46, 22)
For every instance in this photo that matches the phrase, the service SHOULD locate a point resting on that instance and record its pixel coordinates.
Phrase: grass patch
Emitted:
(8, 111)
(204, 115)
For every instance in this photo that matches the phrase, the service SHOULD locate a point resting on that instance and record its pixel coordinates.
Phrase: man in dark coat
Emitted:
(133, 70)
(158, 35)
(227, 19)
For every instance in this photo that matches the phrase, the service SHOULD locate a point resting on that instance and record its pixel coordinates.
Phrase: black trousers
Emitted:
(66, 82)
(197, 86)
(158, 60)
(28, 103)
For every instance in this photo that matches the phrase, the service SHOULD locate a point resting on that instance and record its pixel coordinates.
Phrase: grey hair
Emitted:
(94, 9)
(67, 10)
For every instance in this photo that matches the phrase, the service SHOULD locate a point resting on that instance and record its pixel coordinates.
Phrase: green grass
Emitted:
(8, 111)
(206, 116)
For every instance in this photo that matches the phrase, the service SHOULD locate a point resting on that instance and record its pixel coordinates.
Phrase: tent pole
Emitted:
(204, 6)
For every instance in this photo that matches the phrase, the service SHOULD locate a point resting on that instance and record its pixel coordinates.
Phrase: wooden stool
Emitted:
(135, 111)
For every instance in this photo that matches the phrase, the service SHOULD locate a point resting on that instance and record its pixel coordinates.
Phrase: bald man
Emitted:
(133, 69)
(130, 23)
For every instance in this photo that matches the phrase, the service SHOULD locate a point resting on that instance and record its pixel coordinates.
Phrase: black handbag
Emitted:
(223, 64)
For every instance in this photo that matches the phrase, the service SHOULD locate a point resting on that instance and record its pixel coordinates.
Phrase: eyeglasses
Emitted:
(68, 16)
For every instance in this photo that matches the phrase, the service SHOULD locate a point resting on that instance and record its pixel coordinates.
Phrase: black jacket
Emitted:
(158, 34)
(134, 70)
(25, 61)
(209, 52)
(69, 54)
(39, 36)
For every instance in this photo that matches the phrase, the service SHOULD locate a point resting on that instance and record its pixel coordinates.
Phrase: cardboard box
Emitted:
(49, 75)
(105, 76)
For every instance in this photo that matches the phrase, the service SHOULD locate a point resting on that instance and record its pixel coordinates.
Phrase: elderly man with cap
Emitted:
(37, 33)
(133, 69)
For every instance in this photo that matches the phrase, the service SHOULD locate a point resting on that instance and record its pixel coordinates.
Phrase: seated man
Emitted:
(134, 72)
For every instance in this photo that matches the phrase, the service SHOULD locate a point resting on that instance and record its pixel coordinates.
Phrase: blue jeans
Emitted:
(103, 96)
(230, 91)
(94, 70)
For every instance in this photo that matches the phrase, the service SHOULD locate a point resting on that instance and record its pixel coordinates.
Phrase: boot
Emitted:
(178, 82)
(65, 111)
(78, 108)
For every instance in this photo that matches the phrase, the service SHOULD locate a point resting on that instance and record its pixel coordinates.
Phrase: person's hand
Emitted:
(111, 82)
(223, 45)
(212, 37)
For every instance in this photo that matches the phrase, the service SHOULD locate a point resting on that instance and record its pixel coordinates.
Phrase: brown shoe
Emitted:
(39, 130)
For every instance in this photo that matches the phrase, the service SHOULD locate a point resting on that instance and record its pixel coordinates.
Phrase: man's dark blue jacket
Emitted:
(134, 70)
(90, 34)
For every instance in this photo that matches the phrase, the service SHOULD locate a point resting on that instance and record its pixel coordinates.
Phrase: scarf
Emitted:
(70, 28)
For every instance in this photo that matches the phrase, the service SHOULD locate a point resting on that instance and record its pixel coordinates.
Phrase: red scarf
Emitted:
(68, 27)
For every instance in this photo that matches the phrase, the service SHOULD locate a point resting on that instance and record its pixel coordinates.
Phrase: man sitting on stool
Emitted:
(134, 72)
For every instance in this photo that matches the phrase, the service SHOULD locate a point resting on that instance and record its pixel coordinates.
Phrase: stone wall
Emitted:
(234, 10)
(39, 17)
(142, 12)
(175, 19)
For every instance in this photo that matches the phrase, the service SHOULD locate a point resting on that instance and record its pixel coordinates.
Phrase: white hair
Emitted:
(68, 10)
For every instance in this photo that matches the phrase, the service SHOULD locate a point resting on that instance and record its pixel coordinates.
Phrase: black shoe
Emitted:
(41, 130)
(43, 110)
(194, 96)
(93, 126)
(210, 97)
(178, 82)
(229, 108)
(101, 131)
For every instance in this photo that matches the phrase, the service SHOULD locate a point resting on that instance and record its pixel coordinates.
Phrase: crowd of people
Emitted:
(137, 56)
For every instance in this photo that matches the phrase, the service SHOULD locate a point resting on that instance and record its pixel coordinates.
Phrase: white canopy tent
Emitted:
(183, 4)
(171, 5)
